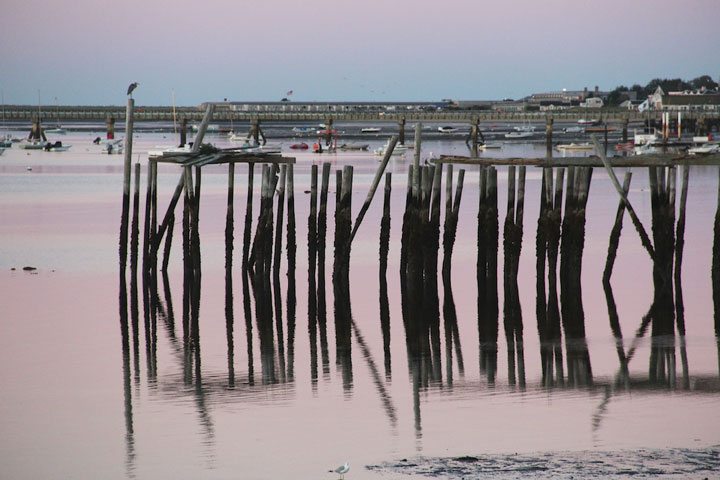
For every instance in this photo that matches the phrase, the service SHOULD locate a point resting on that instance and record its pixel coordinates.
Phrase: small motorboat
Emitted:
(345, 146)
(518, 134)
(447, 129)
(398, 150)
(57, 131)
(573, 130)
(585, 121)
(113, 146)
(576, 146)
(299, 146)
(706, 149)
(370, 130)
(56, 147)
(32, 145)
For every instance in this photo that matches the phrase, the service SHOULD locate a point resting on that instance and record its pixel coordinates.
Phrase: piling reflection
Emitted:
(487, 245)
(579, 371)
(560, 237)
(382, 273)
(512, 244)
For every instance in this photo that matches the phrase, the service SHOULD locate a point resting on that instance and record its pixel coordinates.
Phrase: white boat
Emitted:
(573, 130)
(705, 149)
(398, 150)
(303, 129)
(56, 147)
(113, 146)
(517, 134)
(645, 149)
(584, 121)
(576, 146)
(524, 128)
(57, 131)
(447, 129)
(32, 145)
(370, 130)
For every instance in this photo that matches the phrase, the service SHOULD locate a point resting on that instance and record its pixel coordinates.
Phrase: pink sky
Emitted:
(88, 51)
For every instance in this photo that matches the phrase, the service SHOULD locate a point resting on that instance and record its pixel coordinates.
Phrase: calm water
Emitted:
(294, 408)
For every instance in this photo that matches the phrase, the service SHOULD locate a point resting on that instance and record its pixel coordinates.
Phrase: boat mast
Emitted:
(174, 116)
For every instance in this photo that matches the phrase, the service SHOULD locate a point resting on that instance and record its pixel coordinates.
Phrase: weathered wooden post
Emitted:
(322, 222)
(110, 126)
(37, 133)
(474, 132)
(126, 184)
(625, 130)
(373, 187)
(401, 131)
(230, 220)
(416, 165)
(548, 136)
(183, 131)
(135, 229)
(328, 131)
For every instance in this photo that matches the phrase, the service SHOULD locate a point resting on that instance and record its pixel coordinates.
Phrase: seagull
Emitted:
(342, 470)
(132, 87)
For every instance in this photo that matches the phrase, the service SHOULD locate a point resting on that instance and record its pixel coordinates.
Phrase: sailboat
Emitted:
(58, 130)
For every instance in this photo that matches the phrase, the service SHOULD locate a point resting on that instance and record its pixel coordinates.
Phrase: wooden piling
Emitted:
(135, 229)
(644, 238)
(548, 136)
(126, 185)
(197, 142)
(322, 219)
(378, 175)
(230, 221)
(183, 131)
(291, 239)
(278, 225)
(416, 163)
(401, 131)
(247, 235)
(110, 127)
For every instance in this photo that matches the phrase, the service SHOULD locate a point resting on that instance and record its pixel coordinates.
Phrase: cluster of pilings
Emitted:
(560, 237)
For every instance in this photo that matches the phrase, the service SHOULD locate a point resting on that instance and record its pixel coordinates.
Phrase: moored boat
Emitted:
(370, 130)
(706, 149)
(447, 129)
(345, 146)
(576, 146)
(299, 146)
(517, 134)
(56, 147)
(31, 145)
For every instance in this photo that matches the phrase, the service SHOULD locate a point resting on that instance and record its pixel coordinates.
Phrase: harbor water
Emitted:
(76, 403)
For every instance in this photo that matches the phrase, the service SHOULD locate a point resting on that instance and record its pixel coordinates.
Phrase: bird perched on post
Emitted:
(132, 87)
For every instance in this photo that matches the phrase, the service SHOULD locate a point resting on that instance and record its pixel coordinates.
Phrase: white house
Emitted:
(592, 102)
